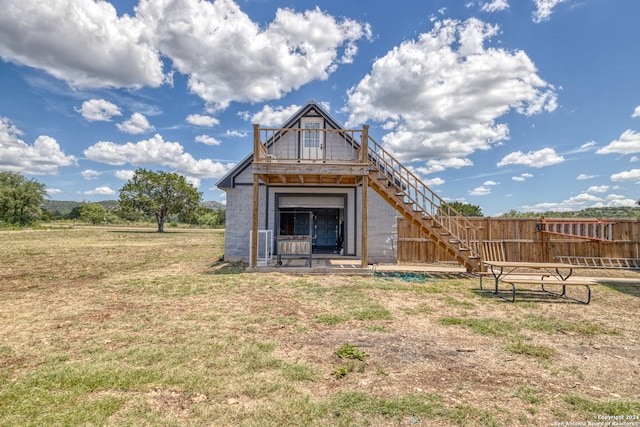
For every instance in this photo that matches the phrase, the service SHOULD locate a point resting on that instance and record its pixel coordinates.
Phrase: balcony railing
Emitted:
(298, 145)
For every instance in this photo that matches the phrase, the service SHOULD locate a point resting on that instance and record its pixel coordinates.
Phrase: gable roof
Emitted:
(227, 181)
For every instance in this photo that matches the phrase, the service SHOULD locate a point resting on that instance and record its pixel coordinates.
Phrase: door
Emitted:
(312, 139)
(326, 228)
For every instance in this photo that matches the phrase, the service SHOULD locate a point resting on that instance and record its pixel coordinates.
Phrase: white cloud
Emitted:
(235, 133)
(124, 174)
(618, 200)
(522, 177)
(202, 120)
(544, 9)
(433, 182)
(628, 143)
(634, 159)
(586, 147)
(135, 125)
(534, 159)
(99, 110)
(480, 191)
(494, 6)
(583, 176)
(156, 151)
(440, 95)
(83, 42)
(438, 165)
(244, 62)
(598, 189)
(632, 175)
(484, 189)
(636, 112)
(90, 174)
(53, 191)
(270, 116)
(44, 157)
(100, 191)
(207, 140)
(575, 203)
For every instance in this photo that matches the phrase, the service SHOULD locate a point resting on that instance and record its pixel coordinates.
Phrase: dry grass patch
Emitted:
(132, 327)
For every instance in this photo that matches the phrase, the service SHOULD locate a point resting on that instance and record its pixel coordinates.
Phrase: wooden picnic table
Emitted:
(550, 273)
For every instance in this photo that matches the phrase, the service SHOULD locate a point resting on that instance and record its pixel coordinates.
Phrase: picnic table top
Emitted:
(527, 264)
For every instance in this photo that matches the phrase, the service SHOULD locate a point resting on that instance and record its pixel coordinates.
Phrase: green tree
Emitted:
(93, 213)
(465, 209)
(159, 194)
(20, 199)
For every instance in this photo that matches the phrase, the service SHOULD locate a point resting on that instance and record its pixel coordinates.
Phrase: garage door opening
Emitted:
(325, 226)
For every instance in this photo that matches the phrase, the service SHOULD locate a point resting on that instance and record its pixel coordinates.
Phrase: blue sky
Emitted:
(530, 105)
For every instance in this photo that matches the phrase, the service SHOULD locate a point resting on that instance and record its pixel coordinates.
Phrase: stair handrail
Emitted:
(420, 195)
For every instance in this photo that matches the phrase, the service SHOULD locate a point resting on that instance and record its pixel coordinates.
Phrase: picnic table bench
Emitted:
(538, 273)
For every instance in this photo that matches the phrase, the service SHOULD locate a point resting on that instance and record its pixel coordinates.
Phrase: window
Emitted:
(312, 137)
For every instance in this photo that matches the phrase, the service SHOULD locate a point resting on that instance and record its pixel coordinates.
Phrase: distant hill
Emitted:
(63, 208)
(611, 213)
(213, 205)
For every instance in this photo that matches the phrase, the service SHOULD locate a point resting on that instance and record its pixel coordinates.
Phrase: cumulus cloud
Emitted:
(235, 133)
(598, 189)
(484, 189)
(522, 177)
(83, 42)
(480, 191)
(534, 159)
(636, 112)
(43, 157)
(583, 176)
(135, 125)
(99, 110)
(544, 9)
(156, 151)
(494, 6)
(100, 191)
(438, 165)
(207, 140)
(90, 174)
(124, 174)
(618, 200)
(575, 203)
(202, 120)
(245, 62)
(632, 175)
(440, 95)
(270, 116)
(628, 143)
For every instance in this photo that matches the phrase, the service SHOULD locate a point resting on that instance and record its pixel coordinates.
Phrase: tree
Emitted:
(95, 213)
(20, 199)
(466, 209)
(159, 194)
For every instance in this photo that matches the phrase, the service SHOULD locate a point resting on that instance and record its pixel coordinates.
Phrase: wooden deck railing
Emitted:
(307, 145)
(456, 228)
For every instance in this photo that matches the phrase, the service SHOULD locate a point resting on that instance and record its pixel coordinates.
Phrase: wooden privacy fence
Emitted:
(524, 240)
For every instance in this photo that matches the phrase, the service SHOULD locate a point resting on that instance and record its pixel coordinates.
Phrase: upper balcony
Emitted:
(310, 156)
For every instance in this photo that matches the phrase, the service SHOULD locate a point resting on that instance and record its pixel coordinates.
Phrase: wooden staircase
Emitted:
(425, 209)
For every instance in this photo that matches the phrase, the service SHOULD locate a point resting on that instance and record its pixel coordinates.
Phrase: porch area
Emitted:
(352, 266)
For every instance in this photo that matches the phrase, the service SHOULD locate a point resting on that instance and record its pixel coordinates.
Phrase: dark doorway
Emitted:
(322, 224)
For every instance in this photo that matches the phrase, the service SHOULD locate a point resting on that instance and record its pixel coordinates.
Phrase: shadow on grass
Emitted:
(526, 295)
(632, 289)
(225, 267)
